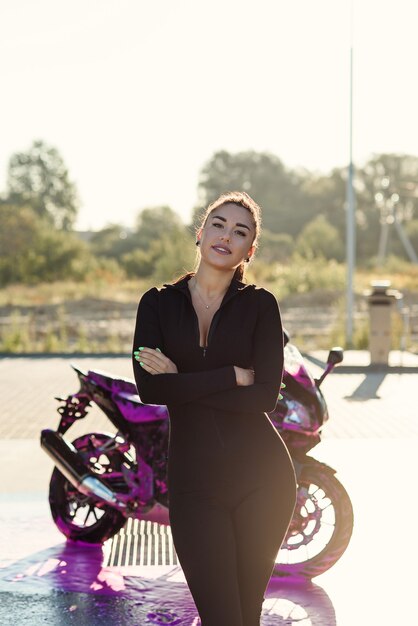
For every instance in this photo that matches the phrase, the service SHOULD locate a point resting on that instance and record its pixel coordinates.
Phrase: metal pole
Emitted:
(350, 221)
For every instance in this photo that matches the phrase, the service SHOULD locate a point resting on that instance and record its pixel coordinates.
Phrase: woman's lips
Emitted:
(221, 249)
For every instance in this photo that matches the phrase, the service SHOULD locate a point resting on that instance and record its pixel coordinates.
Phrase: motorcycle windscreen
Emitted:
(294, 366)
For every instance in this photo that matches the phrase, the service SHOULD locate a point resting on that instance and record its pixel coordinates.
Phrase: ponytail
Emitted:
(240, 272)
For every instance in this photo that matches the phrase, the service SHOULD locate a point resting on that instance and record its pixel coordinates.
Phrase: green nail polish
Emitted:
(141, 363)
(158, 349)
(141, 348)
(283, 386)
(280, 396)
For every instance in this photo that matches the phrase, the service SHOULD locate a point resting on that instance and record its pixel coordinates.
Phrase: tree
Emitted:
(325, 194)
(155, 222)
(173, 256)
(265, 178)
(165, 259)
(113, 241)
(31, 252)
(320, 238)
(386, 184)
(275, 247)
(38, 178)
(163, 246)
(292, 199)
(18, 232)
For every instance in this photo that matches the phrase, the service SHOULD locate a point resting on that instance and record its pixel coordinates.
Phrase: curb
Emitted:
(339, 369)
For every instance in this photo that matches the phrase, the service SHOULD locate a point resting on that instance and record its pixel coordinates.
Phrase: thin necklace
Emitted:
(207, 306)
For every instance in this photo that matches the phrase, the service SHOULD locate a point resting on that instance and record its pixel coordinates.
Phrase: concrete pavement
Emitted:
(371, 439)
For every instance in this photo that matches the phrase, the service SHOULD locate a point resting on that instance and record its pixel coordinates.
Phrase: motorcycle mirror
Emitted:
(335, 355)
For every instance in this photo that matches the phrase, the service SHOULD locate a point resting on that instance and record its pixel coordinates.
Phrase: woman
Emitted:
(210, 347)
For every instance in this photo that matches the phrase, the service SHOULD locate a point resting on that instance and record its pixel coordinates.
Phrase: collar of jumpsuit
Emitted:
(234, 287)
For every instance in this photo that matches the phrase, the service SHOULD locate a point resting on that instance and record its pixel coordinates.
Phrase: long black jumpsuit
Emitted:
(231, 480)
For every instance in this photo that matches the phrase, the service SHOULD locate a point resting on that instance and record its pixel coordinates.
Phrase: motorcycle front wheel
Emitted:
(80, 517)
(321, 527)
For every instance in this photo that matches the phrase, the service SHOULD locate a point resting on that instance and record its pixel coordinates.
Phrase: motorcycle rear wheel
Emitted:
(321, 527)
(80, 517)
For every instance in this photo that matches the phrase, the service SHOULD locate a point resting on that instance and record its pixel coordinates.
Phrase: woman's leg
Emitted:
(260, 524)
(203, 535)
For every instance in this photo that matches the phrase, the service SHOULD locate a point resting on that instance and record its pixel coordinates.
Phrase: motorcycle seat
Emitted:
(125, 395)
(130, 397)
(112, 383)
(134, 411)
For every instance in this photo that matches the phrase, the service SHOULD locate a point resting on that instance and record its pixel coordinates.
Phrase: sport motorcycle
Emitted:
(101, 479)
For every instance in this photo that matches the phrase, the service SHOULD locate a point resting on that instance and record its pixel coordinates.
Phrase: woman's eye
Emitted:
(218, 224)
(240, 232)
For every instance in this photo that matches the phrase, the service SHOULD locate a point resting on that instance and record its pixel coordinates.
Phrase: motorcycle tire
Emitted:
(321, 527)
(80, 517)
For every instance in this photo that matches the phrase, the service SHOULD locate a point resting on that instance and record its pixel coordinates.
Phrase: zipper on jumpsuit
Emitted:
(215, 319)
(213, 323)
(212, 328)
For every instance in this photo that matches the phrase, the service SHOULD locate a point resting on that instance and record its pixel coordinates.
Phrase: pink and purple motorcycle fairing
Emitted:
(301, 413)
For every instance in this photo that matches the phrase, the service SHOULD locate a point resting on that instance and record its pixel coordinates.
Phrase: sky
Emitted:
(138, 95)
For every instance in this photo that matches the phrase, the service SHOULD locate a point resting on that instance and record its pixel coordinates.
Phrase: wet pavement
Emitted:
(371, 439)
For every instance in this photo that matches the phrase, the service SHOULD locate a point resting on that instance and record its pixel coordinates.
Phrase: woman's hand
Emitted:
(154, 361)
(244, 377)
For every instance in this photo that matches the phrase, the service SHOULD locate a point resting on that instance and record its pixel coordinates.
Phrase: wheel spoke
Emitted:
(87, 515)
(324, 508)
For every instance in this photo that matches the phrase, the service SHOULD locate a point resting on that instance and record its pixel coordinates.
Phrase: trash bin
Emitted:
(381, 300)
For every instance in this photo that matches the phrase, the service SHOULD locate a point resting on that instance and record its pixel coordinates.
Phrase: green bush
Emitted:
(32, 251)
(302, 276)
(15, 338)
(320, 239)
(138, 263)
(275, 247)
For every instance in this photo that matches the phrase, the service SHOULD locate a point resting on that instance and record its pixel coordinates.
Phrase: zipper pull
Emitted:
(204, 351)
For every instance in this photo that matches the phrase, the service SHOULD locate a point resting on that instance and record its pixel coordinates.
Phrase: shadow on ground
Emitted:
(368, 388)
(67, 584)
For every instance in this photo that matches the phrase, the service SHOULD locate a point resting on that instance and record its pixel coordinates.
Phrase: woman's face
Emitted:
(227, 237)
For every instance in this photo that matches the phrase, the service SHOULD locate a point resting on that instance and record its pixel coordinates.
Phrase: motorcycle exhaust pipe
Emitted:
(67, 460)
